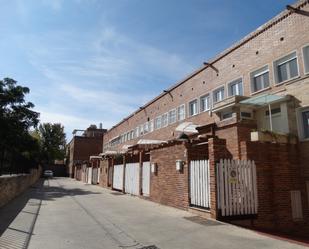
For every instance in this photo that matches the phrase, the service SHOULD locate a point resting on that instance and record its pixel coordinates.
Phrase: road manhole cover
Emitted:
(203, 221)
(149, 247)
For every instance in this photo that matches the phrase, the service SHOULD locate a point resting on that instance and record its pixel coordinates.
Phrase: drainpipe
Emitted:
(270, 118)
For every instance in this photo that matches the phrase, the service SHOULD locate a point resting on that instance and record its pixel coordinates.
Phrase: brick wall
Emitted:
(168, 186)
(12, 186)
(279, 39)
(104, 166)
(278, 173)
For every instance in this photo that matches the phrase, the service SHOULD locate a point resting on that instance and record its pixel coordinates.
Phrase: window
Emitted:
(146, 128)
(151, 126)
(137, 131)
(218, 94)
(205, 103)
(157, 123)
(260, 79)
(164, 121)
(246, 115)
(286, 68)
(235, 87)
(181, 113)
(273, 111)
(132, 134)
(193, 107)
(141, 130)
(172, 116)
(226, 115)
(305, 123)
(306, 58)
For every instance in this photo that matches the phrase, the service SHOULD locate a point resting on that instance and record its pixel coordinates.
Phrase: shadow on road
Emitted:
(18, 218)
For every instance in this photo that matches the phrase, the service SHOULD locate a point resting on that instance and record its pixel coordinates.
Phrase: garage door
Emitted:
(118, 177)
(89, 175)
(132, 178)
(146, 178)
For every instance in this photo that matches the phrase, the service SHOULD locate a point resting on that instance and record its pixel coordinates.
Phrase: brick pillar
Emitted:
(217, 150)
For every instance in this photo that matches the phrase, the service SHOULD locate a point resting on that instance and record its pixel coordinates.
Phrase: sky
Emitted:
(96, 61)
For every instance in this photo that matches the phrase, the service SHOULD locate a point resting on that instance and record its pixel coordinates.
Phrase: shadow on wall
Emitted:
(17, 218)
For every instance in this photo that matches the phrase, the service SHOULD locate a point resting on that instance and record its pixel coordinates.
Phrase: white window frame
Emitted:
(146, 127)
(132, 134)
(184, 112)
(301, 132)
(151, 125)
(162, 123)
(304, 61)
(208, 95)
(213, 94)
(237, 81)
(254, 74)
(141, 129)
(169, 116)
(276, 64)
(155, 123)
(197, 107)
(136, 131)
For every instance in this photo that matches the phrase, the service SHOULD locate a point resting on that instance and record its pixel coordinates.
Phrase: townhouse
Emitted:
(231, 140)
(81, 147)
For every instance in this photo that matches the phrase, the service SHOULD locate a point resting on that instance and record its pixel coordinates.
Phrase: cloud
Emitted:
(99, 77)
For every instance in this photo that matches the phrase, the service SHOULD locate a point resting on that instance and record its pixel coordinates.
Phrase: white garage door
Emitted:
(146, 178)
(118, 177)
(89, 175)
(132, 178)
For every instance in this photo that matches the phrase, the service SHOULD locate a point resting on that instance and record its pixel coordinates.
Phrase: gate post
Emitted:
(216, 150)
(141, 153)
(124, 174)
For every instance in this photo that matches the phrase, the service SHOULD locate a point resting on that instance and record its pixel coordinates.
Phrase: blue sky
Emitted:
(92, 61)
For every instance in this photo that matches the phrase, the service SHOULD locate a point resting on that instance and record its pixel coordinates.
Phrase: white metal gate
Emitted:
(146, 179)
(118, 177)
(132, 178)
(89, 175)
(237, 189)
(199, 183)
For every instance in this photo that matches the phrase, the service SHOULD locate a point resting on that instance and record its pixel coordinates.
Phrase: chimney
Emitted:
(101, 126)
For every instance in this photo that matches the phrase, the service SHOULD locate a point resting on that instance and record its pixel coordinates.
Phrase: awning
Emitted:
(265, 99)
(109, 152)
(187, 127)
(95, 157)
(150, 141)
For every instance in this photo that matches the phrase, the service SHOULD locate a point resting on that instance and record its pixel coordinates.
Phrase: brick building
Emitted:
(80, 148)
(249, 103)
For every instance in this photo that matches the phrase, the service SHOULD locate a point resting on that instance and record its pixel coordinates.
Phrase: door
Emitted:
(94, 176)
(146, 179)
(110, 176)
(89, 177)
(118, 177)
(132, 178)
(200, 184)
(237, 189)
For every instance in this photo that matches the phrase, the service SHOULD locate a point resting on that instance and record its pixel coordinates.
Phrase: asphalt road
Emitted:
(62, 213)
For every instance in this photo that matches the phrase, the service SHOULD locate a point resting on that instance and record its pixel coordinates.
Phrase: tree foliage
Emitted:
(16, 118)
(52, 142)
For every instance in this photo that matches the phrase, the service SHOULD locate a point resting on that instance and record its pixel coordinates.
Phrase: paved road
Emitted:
(62, 213)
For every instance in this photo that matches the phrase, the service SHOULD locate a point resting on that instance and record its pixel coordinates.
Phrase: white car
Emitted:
(48, 174)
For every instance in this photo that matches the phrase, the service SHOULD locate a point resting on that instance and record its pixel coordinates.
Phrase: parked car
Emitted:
(48, 173)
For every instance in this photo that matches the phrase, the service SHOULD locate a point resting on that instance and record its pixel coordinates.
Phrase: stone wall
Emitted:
(12, 186)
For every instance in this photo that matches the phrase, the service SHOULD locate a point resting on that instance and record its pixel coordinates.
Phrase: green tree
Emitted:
(52, 142)
(16, 118)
